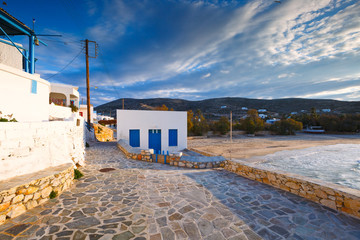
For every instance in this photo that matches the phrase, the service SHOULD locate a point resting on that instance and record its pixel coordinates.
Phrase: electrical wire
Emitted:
(66, 65)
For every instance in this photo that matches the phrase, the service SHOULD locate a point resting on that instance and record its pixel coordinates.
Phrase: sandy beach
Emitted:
(244, 147)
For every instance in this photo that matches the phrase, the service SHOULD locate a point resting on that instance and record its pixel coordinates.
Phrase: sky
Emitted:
(199, 49)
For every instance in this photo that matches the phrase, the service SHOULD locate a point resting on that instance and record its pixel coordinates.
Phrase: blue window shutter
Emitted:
(34, 86)
(173, 137)
(134, 137)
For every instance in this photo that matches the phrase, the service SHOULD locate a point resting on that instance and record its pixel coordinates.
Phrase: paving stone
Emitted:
(124, 236)
(175, 217)
(83, 223)
(15, 230)
(5, 237)
(191, 230)
(215, 236)
(78, 235)
(54, 229)
(95, 236)
(205, 227)
(162, 221)
(64, 233)
(167, 233)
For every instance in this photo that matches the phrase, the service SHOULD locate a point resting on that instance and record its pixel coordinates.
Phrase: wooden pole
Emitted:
(87, 80)
(230, 126)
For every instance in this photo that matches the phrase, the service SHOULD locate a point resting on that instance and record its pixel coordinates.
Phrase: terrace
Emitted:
(142, 200)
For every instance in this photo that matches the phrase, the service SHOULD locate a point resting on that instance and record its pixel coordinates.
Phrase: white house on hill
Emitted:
(158, 130)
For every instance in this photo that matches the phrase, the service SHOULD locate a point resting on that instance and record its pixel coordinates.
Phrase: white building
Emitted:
(83, 112)
(64, 95)
(262, 110)
(158, 130)
(24, 95)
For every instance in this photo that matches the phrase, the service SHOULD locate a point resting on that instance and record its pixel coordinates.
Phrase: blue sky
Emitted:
(200, 49)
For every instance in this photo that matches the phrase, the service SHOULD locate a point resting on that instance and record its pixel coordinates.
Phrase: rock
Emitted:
(16, 210)
(4, 206)
(31, 190)
(37, 195)
(31, 204)
(28, 197)
(8, 198)
(2, 219)
(17, 199)
(46, 192)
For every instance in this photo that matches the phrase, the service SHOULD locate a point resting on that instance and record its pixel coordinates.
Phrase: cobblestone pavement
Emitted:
(140, 200)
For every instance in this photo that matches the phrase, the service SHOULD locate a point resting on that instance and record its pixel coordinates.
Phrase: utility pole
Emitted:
(88, 76)
(230, 126)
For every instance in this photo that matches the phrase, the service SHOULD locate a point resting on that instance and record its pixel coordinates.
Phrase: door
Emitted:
(134, 137)
(155, 139)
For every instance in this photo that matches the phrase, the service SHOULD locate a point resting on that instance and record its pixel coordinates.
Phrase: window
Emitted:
(173, 137)
(34, 86)
(134, 137)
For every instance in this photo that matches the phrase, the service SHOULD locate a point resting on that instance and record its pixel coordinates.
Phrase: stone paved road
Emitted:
(140, 200)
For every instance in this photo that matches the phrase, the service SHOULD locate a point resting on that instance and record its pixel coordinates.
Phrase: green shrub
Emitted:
(53, 194)
(77, 174)
(286, 127)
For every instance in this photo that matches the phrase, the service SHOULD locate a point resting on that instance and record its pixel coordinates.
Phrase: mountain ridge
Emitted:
(214, 107)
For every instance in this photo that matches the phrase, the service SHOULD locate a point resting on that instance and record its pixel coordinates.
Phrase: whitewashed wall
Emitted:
(145, 120)
(10, 56)
(16, 97)
(30, 147)
(59, 112)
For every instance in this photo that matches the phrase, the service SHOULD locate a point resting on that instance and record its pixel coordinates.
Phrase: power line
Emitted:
(66, 65)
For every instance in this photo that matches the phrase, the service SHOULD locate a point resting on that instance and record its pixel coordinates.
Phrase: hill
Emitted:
(212, 108)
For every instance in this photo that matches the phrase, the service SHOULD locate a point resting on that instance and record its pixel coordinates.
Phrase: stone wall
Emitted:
(28, 191)
(171, 159)
(334, 196)
(103, 134)
(31, 147)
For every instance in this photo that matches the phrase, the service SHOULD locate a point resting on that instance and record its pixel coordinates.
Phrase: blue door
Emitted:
(155, 140)
(134, 137)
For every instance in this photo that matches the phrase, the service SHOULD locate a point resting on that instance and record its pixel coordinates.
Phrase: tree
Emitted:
(200, 125)
(162, 108)
(253, 123)
(223, 125)
(286, 127)
(190, 124)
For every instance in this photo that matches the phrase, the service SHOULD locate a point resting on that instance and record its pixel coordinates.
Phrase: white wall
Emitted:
(16, 97)
(71, 92)
(83, 110)
(145, 120)
(56, 112)
(30, 147)
(10, 56)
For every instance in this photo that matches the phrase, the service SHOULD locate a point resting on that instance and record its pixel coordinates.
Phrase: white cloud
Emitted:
(286, 75)
(206, 75)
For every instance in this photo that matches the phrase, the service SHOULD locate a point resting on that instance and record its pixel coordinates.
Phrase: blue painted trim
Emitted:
(13, 44)
(164, 159)
(15, 24)
(156, 157)
(27, 62)
(32, 54)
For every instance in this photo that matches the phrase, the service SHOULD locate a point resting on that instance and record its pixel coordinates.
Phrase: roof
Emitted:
(13, 26)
